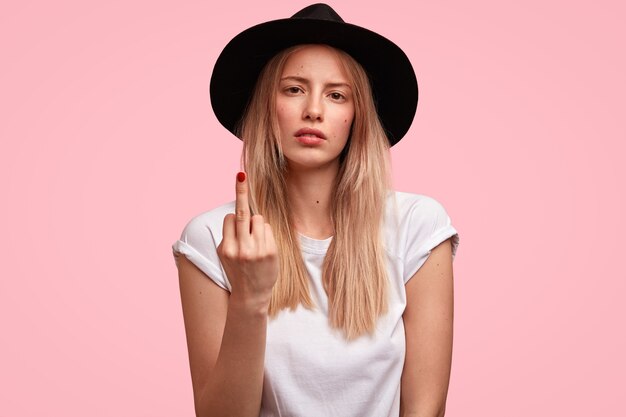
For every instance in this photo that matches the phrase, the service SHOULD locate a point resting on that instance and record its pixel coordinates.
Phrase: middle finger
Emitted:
(242, 209)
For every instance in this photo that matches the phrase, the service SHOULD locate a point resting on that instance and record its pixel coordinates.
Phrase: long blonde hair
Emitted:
(353, 273)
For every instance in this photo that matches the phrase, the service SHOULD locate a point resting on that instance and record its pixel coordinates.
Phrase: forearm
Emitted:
(424, 414)
(426, 403)
(235, 385)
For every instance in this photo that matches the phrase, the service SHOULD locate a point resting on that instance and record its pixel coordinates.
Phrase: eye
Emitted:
(293, 90)
(337, 96)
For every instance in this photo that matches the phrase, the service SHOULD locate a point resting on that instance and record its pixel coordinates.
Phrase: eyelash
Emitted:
(290, 90)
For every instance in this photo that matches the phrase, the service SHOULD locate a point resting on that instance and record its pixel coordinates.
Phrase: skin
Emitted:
(314, 92)
(226, 332)
(308, 98)
(428, 326)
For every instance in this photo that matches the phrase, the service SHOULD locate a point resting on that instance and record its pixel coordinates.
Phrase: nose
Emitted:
(313, 109)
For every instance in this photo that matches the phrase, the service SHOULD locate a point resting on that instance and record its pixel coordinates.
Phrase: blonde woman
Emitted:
(318, 291)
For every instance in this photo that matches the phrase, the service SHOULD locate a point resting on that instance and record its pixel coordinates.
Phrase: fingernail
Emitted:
(241, 177)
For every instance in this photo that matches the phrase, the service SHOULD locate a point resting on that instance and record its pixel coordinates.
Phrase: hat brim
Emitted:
(391, 74)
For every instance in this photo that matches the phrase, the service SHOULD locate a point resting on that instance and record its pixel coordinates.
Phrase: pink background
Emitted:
(109, 146)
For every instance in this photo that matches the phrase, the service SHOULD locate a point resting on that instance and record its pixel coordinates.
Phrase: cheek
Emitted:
(281, 115)
(348, 117)
(347, 121)
(345, 126)
(285, 113)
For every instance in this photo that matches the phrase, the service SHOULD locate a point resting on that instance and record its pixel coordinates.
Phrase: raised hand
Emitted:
(248, 252)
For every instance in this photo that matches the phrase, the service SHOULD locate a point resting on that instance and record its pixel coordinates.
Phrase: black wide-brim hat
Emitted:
(390, 72)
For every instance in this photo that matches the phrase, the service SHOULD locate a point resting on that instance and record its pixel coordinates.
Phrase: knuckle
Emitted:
(227, 253)
(271, 250)
(240, 214)
(246, 254)
(269, 253)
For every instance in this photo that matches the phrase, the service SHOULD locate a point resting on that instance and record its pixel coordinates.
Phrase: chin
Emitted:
(310, 163)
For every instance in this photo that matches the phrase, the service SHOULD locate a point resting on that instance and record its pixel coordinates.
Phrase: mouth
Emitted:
(310, 140)
(313, 134)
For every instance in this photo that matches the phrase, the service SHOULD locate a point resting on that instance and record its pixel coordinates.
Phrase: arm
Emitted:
(428, 322)
(226, 334)
(226, 345)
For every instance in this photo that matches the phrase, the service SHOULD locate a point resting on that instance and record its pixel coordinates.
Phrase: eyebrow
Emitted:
(305, 81)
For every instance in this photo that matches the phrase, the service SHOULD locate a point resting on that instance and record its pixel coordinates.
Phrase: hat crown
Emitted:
(389, 71)
(318, 11)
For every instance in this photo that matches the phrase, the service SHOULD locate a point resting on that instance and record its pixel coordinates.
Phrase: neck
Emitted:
(310, 193)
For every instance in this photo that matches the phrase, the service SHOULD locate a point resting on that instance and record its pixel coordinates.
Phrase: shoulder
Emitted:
(414, 200)
(200, 239)
(204, 230)
(412, 221)
(415, 210)
(209, 221)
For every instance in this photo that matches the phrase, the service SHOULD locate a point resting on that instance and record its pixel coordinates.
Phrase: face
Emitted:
(315, 108)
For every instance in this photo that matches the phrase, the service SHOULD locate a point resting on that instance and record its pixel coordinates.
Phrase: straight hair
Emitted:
(354, 275)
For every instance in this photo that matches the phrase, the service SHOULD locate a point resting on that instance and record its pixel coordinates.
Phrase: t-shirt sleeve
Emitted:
(428, 226)
(198, 243)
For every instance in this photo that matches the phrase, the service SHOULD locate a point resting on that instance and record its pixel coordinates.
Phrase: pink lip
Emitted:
(310, 140)
(309, 131)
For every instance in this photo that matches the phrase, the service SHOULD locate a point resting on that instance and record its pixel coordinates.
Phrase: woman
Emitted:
(328, 294)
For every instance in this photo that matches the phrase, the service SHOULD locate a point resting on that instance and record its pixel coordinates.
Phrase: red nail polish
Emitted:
(241, 176)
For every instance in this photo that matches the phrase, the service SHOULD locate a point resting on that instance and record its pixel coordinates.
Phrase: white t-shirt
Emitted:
(310, 370)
